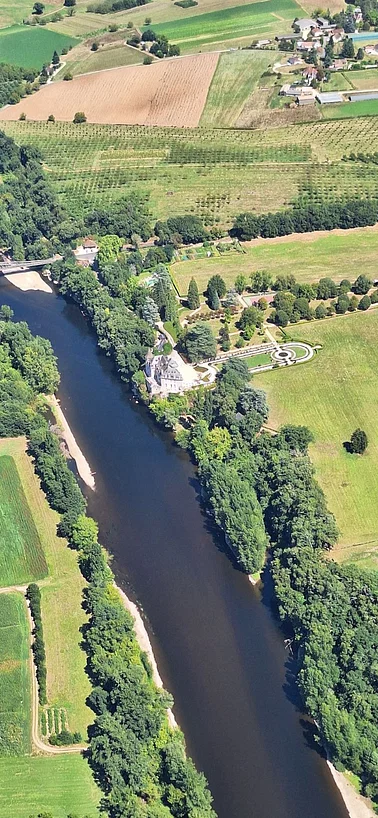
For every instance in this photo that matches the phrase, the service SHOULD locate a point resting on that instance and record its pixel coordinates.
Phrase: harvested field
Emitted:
(171, 92)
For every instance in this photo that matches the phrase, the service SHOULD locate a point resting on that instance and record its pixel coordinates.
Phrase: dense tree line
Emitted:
(15, 83)
(121, 333)
(32, 222)
(180, 230)
(306, 218)
(126, 217)
(33, 596)
(109, 6)
(27, 369)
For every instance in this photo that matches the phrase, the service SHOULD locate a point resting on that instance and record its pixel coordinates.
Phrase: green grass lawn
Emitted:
(31, 47)
(266, 17)
(334, 394)
(317, 257)
(57, 784)
(21, 555)
(237, 75)
(15, 683)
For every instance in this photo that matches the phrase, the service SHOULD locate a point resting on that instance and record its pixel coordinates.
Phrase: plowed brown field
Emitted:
(171, 92)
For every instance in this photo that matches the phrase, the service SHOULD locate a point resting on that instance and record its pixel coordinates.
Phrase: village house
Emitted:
(310, 74)
(88, 247)
(305, 99)
(340, 64)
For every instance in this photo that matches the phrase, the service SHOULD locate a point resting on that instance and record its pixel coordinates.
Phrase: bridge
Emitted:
(7, 267)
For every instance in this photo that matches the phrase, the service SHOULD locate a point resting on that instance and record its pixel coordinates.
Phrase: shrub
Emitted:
(358, 442)
(68, 76)
(79, 118)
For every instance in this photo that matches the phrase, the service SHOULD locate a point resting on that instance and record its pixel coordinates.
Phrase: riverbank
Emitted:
(28, 280)
(356, 804)
(144, 643)
(82, 464)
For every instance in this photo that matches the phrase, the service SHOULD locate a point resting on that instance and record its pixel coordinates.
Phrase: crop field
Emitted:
(30, 47)
(213, 173)
(308, 257)
(21, 554)
(236, 77)
(15, 683)
(60, 785)
(168, 92)
(102, 60)
(334, 394)
(268, 17)
(364, 79)
(67, 683)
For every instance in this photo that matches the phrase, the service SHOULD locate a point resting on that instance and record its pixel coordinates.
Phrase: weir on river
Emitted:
(218, 648)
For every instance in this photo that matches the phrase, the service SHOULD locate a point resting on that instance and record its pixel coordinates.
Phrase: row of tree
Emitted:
(33, 596)
(306, 218)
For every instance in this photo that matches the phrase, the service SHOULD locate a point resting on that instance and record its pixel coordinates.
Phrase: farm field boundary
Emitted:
(170, 92)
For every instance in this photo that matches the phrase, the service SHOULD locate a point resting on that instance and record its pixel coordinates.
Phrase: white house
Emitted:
(304, 26)
(87, 248)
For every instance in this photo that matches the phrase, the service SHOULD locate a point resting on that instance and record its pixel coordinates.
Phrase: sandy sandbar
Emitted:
(28, 280)
(82, 464)
(145, 645)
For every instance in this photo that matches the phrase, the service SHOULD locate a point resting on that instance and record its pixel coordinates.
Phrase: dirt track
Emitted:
(169, 92)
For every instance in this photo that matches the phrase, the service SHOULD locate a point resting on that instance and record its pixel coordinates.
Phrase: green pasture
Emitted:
(21, 554)
(334, 394)
(308, 259)
(31, 47)
(267, 17)
(15, 683)
(236, 77)
(60, 785)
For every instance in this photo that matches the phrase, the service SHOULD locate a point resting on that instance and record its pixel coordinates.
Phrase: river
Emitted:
(217, 645)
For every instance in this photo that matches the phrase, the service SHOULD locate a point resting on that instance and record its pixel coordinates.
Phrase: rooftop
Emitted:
(329, 96)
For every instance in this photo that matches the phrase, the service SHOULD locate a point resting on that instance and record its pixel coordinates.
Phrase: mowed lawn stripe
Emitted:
(21, 555)
(15, 683)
